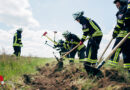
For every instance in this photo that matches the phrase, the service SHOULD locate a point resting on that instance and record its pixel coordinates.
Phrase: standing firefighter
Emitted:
(72, 40)
(120, 31)
(91, 29)
(17, 44)
(127, 16)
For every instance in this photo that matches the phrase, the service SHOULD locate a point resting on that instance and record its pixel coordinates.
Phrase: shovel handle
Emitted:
(72, 49)
(105, 50)
(113, 51)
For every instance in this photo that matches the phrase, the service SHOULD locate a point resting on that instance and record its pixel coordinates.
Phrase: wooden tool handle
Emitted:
(105, 50)
(113, 51)
(71, 50)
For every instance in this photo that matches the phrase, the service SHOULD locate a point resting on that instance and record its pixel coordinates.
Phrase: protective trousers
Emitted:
(17, 50)
(92, 49)
(81, 54)
(125, 50)
(127, 25)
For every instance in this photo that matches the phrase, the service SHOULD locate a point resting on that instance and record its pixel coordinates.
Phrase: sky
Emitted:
(39, 16)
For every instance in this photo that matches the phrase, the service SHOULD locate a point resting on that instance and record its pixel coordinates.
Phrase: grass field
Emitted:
(12, 67)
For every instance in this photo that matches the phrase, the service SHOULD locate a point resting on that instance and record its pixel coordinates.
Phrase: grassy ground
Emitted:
(11, 68)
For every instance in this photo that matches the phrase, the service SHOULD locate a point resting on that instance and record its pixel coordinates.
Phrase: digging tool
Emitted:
(48, 44)
(60, 61)
(71, 50)
(96, 71)
(56, 57)
(45, 34)
(105, 50)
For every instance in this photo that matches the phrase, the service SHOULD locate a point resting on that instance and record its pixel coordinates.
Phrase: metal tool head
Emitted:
(45, 42)
(55, 31)
(93, 71)
(44, 34)
(61, 59)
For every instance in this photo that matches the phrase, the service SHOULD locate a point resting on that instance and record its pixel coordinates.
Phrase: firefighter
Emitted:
(17, 43)
(91, 29)
(120, 31)
(62, 47)
(72, 40)
(127, 16)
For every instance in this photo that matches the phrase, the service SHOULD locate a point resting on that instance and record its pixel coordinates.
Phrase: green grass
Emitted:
(12, 67)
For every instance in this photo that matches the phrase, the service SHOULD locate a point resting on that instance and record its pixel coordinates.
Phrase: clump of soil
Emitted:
(66, 79)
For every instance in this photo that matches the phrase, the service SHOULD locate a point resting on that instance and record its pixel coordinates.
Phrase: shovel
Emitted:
(105, 50)
(71, 50)
(60, 61)
(96, 71)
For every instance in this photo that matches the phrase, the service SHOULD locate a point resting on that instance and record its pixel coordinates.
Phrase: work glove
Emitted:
(120, 16)
(81, 42)
(114, 35)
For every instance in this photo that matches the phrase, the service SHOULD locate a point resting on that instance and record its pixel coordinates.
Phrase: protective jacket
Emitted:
(74, 40)
(17, 39)
(121, 29)
(62, 47)
(127, 17)
(90, 28)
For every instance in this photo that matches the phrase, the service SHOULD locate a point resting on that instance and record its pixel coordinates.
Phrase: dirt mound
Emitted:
(74, 77)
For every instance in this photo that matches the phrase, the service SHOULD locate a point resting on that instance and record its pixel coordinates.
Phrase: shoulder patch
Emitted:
(84, 26)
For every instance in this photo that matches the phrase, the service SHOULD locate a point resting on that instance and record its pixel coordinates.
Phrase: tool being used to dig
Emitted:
(105, 50)
(96, 71)
(45, 34)
(56, 57)
(72, 50)
(61, 59)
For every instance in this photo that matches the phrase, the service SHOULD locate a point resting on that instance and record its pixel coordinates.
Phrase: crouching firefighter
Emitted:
(73, 40)
(62, 47)
(91, 29)
(17, 43)
(120, 31)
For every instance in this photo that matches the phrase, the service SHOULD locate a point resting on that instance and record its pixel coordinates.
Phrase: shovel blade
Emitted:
(93, 71)
(59, 66)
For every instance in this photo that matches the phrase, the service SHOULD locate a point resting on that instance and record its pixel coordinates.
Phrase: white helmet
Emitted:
(66, 33)
(78, 14)
(20, 29)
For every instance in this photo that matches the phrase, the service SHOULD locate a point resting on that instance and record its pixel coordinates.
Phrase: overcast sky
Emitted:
(38, 16)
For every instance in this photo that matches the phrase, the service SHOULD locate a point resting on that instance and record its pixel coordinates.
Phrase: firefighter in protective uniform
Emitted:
(62, 47)
(121, 29)
(127, 17)
(17, 43)
(72, 40)
(91, 29)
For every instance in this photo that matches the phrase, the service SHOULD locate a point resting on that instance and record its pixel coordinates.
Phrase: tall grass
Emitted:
(12, 67)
